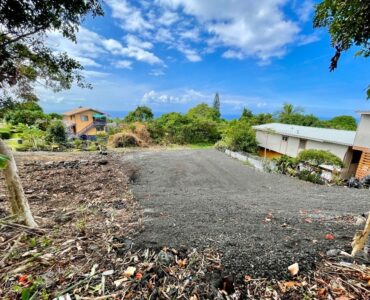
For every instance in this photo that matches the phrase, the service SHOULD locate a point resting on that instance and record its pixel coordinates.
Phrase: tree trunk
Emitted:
(360, 238)
(18, 201)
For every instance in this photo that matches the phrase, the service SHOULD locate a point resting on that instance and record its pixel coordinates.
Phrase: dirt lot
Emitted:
(261, 222)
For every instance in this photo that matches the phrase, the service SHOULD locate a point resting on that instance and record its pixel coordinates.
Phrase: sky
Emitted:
(174, 54)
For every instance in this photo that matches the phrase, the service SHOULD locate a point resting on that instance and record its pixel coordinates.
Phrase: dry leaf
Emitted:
(182, 263)
(308, 220)
(293, 269)
(194, 297)
(129, 271)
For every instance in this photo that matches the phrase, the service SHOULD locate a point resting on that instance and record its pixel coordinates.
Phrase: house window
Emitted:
(284, 138)
(84, 118)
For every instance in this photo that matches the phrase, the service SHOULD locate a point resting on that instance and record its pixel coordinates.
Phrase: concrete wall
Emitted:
(363, 133)
(274, 142)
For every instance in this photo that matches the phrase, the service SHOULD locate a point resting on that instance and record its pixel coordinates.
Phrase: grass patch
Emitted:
(201, 146)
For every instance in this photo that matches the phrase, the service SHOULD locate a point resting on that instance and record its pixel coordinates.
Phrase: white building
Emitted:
(352, 147)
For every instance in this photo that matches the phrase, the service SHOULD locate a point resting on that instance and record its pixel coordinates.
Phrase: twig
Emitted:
(2, 262)
(22, 226)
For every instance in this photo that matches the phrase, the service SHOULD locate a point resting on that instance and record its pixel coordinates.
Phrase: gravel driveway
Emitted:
(261, 222)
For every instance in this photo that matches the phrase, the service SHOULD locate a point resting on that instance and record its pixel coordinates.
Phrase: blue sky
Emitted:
(174, 54)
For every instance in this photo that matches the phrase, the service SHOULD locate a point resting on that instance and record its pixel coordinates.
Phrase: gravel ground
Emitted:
(261, 222)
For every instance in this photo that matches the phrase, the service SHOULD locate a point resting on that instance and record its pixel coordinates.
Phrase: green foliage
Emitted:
(3, 161)
(140, 114)
(203, 111)
(176, 128)
(55, 116)
(311, 176)
(24, 56)
(56, 133)
(318, 157)
(33, 137)
(348, 25)
(246, 114)
(342, 122)
(216, 104)
(28, 117)
(261, 119)
(285, 164)
(239, 136)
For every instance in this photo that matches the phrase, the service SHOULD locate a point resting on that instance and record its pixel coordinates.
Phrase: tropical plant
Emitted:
(140, 114)
(56, 133)
(240, 136)
(319, 157)
(348, 26)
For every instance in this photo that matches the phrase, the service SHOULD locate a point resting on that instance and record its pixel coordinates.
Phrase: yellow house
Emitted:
(85, 122)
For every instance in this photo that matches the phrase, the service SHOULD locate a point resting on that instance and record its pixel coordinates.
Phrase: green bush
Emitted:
(240, 136)
(56, 133)
(140, 114)
(318, 157)
(314, 177)
(175, 128)
(285, 164)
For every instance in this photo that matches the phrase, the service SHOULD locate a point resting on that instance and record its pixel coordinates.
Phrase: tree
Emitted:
(202, 110)
(246, 114)
(140, 114)
(25, 59)
(56, 133)
(348, 25)
(342, 122)
(240, 136)
(216, 104)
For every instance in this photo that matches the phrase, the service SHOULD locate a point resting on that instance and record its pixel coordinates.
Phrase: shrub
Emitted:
(141, 114)
(239, 136)
(203, 111)
(56, 133)
(285, 164)
(314, 177)
(28, 117)
(123, 139)
(318, 157)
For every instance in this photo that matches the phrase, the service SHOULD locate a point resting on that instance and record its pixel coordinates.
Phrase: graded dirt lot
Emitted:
(261, 222)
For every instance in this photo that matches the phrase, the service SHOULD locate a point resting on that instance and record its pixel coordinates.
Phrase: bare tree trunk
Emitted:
(361, 237)
(18, 201)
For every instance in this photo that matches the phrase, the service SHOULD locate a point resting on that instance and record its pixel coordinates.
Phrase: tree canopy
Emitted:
(348, 23)
(25, 58)
(140, 114)
(204, 111)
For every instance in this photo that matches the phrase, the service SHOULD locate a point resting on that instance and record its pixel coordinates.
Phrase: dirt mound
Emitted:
(132, 135)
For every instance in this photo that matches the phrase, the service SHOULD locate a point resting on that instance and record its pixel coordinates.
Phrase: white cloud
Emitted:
(94, 74)
(123, 64)
(305, 10)
(130, 17)
(245, 28)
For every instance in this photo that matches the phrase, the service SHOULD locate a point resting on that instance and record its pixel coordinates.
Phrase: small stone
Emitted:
(333, 252)
(102, 162)
(360, 221)
(165, 258)
(293, 269)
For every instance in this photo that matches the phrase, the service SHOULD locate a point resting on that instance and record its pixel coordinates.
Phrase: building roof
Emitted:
(341, 137)
(80, 110)
(363, 112)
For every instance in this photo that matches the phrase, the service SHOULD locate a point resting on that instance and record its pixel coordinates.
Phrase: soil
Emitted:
(260, 222)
